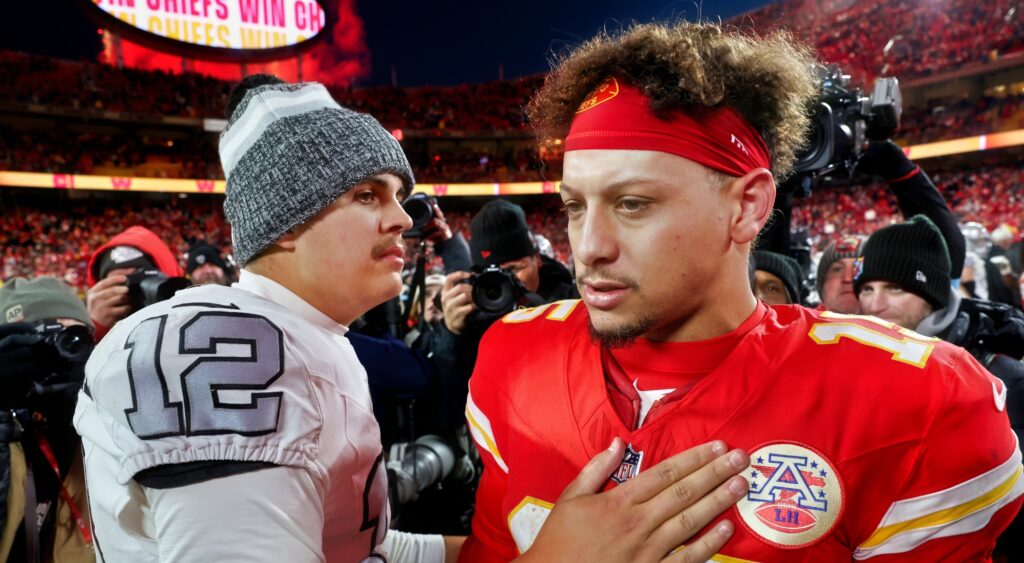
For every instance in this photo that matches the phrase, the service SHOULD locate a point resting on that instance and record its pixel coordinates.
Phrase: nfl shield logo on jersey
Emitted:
(795, 495)
(630, 465)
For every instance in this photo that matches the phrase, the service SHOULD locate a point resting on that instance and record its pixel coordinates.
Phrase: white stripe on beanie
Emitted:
(264, 108)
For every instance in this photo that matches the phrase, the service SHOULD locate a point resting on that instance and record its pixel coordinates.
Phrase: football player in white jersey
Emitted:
(235, 424)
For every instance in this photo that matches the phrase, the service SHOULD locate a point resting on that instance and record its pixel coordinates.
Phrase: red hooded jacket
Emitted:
(146, 241)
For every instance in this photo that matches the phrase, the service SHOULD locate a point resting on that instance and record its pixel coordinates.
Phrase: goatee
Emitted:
(621, 336)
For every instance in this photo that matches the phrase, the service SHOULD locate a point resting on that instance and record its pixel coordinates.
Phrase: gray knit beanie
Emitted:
(289, 151)
(45, 297)
(845, 248)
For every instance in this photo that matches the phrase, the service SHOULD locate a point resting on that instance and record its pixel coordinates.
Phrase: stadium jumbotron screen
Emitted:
(216, 29)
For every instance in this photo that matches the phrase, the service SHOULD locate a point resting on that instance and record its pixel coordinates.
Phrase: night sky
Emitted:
(437, 42)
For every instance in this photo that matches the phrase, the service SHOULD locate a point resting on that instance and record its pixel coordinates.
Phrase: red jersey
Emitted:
(866, 440)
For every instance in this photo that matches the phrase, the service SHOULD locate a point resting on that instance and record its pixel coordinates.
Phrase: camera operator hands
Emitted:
(650, 515)
(885, 159)
(17, 359)
(457, 301)
(108, 300)
(437, 229)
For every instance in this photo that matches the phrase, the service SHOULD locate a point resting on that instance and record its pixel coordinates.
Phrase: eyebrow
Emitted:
(621, 184)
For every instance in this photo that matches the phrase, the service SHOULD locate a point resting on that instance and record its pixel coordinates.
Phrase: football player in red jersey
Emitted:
(866, 440)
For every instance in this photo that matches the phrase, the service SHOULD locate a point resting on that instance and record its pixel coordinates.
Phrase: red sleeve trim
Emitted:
(908, 175)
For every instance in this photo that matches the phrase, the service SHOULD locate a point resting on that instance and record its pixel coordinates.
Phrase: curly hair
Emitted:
(769, 80)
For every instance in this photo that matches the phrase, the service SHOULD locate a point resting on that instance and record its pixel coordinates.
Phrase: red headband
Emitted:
(618, 116)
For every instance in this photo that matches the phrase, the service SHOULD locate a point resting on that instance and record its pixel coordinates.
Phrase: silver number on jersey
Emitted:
(207, 376)
(153, 415)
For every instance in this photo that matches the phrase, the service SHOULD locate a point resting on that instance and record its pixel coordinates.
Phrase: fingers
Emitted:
(457, 296)
(108, 300)
(653, 481)
(705, 547)
(454, 278)
(108, 282)
(438, 214)
(595, 473)
(691, 490)
(682, 526)
(109, 297)
(456, 301)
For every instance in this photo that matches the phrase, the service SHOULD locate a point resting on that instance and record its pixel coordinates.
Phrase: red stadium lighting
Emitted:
(398, 135)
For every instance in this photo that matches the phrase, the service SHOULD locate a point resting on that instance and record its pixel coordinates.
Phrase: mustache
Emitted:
(382, 247)
(597, 274)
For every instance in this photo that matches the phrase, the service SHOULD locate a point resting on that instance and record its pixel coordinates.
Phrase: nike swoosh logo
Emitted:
(1000, 396)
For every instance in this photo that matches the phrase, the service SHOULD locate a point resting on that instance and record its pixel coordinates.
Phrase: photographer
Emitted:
(130, 271)
(43, 349)
(499, 238)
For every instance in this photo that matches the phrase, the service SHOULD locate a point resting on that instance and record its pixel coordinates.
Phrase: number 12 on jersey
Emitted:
(201, 411)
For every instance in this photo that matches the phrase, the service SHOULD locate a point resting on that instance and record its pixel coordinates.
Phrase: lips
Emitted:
(395, 251)
(393, 254)
(604, 295)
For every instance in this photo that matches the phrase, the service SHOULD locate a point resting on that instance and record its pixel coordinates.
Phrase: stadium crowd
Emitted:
(58, 239)
(903, 38)
(92, 87)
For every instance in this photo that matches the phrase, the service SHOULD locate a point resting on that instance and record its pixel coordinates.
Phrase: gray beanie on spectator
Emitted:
(45, 297)
(289, 151)
(845, 248)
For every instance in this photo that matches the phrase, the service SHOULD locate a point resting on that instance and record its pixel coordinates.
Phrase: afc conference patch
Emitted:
(629, 467)
(795, 495)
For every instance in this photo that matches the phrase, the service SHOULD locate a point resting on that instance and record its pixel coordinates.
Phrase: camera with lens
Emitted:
(496, 290)
(66, 345)
(420, 208)
(146, 287)
(416, 466)
(845, 119)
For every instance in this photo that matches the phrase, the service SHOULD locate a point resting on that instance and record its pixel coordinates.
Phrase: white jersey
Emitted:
(248, 373)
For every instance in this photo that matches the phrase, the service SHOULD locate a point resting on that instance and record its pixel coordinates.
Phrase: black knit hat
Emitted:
(202, 253)
(498, 233)
(912, 254)
(784, 268)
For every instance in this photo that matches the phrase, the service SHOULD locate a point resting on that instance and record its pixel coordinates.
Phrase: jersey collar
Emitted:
(273, 291)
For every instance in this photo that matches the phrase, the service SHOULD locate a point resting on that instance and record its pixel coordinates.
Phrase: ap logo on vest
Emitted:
(795, 495)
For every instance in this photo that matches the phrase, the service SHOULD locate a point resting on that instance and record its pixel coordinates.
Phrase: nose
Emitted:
(395, 218)
(593, 239)
(871, 304)
(848, 275)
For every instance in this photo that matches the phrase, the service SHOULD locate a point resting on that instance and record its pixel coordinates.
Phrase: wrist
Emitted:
(451, 329)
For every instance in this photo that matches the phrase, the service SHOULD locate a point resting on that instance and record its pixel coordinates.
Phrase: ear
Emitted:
(753, 197)
(288, 240)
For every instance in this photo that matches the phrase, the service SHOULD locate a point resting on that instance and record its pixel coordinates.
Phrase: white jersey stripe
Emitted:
(480, 428)
(911, 509)
(961, 509)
